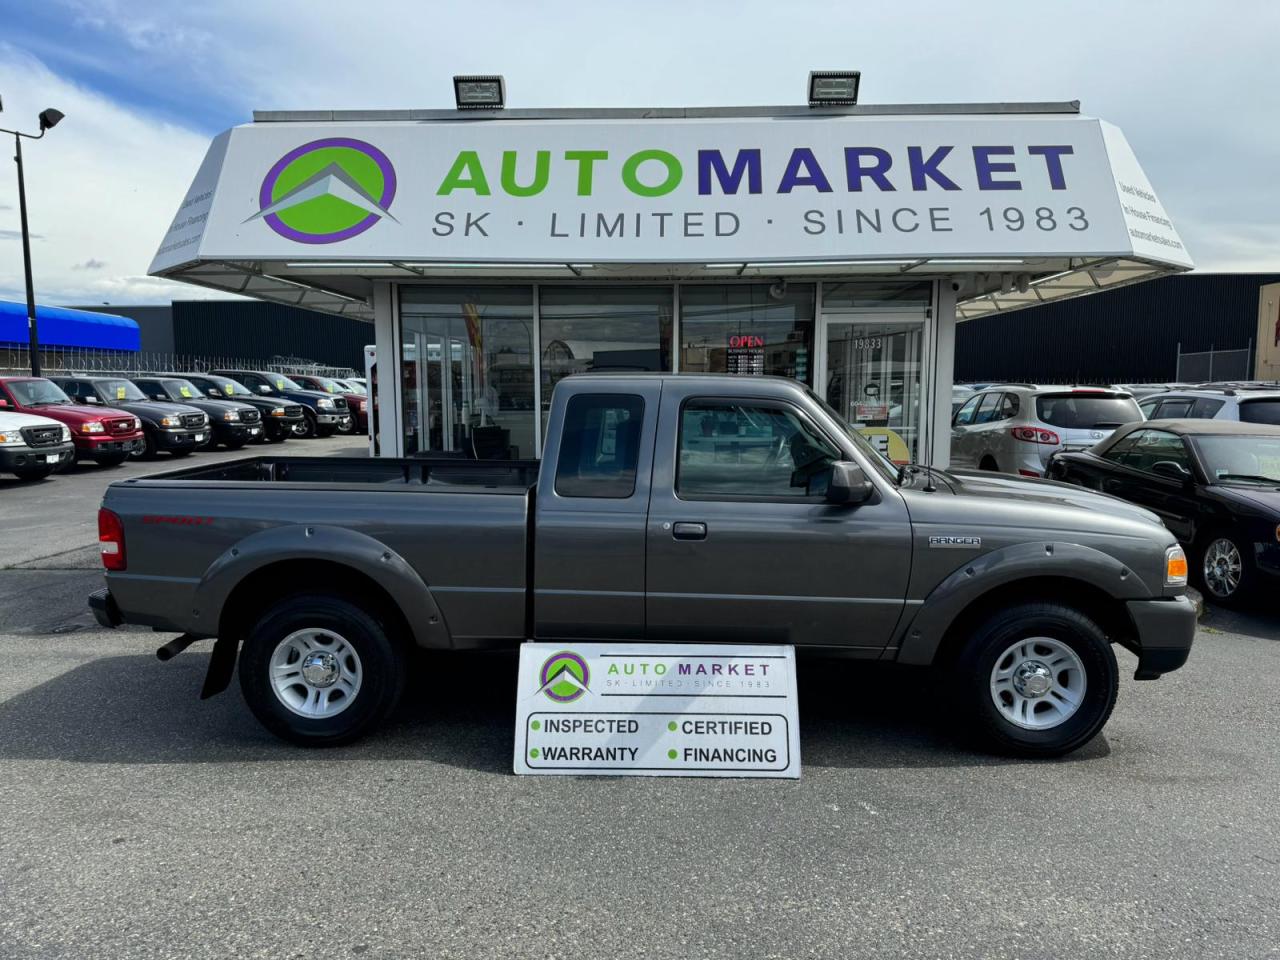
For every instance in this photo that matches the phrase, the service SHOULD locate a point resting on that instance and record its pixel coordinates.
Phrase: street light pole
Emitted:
(48, 120)
(33, 333)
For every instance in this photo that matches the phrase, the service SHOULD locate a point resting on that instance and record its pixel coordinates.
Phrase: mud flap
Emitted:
(221, 667)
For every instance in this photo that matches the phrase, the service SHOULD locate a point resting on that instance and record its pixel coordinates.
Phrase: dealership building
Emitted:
(495, 252)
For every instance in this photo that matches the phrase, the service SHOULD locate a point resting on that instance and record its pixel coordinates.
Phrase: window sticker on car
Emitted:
(229, 389)
(185, 391)
(119, 393)
(279, 384)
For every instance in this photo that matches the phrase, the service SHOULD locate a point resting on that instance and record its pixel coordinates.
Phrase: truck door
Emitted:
(738, 547)
(593, 496)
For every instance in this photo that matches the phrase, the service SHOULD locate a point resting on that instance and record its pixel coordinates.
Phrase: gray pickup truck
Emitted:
(666, 508)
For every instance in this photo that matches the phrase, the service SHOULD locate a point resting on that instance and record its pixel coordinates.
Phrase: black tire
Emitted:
(148, 450)
(990, 642)
(381, 661)
(324, 431)
(309, 426)
(33, 473)
(111, 459)
(1213, 587)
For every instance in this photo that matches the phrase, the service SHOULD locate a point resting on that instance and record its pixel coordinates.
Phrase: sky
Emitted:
(145, 85)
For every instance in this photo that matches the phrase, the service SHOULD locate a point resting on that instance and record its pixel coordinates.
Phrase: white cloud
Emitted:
(103, 185)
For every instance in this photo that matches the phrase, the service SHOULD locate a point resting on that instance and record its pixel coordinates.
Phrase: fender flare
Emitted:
(339, 545)
(919, 637)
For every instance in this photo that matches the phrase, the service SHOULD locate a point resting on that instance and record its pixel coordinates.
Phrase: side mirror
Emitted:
(263, 388)
(90, 399)
(3, 402)
(1172, 470)
(848, 485)
(214, 393)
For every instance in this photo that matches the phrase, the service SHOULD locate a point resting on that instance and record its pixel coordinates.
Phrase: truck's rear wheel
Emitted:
(1037, 680)
(320, 670)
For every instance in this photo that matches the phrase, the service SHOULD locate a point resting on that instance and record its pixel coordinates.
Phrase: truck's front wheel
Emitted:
(320, 670)
(1038, 680)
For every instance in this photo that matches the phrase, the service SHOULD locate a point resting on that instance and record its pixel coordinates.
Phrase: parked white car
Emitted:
(32, 447)
(1249, 403)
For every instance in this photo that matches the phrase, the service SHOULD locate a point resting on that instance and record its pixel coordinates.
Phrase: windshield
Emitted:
(181, 389)
(1240, 459)
(232, 388)
(354, 387)
(112, 390)
(330, 386)
(1260, 411)
(281, 382)
(883, 463)
(33, 393)
(1086, 411)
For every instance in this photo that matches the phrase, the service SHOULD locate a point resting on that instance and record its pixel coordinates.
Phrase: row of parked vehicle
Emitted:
(1205, 458)
(47, 422)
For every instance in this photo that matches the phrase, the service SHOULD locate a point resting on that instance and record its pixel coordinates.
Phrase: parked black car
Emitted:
(324, 413)
(280, 418)
(233, 424)
(1214, 483)
(176, 427)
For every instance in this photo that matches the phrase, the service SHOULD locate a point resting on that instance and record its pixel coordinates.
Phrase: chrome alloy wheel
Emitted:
(315, 673)
(1223, 568)
(1038, 683)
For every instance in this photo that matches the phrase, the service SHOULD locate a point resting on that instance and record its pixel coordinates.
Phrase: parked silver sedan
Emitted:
(1015, 428)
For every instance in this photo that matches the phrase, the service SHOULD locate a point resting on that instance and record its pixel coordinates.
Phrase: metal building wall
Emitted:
(155, 324)
(255, 330)
(1125, 335)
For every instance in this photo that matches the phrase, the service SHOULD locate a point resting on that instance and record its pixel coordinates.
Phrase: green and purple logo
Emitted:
(327, 190)
(564, 677)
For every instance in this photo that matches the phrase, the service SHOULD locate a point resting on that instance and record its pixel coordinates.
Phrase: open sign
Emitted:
(746, 340)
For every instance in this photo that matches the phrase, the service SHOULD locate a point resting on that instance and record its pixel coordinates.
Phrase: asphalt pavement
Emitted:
(138, 822)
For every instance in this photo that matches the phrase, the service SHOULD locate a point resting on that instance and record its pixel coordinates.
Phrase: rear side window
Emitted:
(1086, 411)
(1260, 411)
(1206, 409)
(987, 409)
(1008, 407)
(1174, 409)
(600, 446)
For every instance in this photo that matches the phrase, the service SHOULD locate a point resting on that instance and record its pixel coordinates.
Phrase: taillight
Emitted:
(111, 540)
(1034, 435)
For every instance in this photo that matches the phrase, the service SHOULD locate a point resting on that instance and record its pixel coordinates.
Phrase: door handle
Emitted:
(689, 531)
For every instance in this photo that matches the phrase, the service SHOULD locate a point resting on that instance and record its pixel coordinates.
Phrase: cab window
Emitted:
(600, 446)
(750, 450)
(1142, 449)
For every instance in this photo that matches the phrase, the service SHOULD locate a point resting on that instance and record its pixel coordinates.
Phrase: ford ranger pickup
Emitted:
(665, 508)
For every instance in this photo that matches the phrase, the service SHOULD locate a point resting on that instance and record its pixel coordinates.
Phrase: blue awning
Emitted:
(63, 327)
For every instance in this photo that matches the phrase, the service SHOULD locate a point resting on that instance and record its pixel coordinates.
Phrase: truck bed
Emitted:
(472, 476)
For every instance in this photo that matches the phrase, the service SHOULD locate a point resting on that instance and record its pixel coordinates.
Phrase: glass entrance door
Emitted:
(874, 379)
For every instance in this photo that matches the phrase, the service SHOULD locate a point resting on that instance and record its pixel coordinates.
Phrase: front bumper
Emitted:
(333, 419)
(104, 608)
(181, 439)
(92, 445)
(1165, 630)
(23, 457)
(277, 427)
(224, 431)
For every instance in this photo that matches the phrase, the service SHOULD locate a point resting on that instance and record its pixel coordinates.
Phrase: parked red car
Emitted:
(107, 436)
(357, 403)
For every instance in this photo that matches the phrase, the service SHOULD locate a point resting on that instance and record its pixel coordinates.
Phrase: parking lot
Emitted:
(138, 821)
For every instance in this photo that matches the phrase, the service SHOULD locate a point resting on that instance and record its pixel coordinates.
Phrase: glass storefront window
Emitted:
(613, 328)
(874, 382)
(880, 297)
(750, 328)
(467, 371)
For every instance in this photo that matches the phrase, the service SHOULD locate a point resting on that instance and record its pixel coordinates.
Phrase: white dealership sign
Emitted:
(673, 710)
(672, 190)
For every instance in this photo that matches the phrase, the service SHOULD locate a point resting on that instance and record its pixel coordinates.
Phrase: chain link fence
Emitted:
(16, 359)
(1207, 366)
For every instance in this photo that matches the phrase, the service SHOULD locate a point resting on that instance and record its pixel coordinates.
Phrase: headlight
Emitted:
(1175, 567)
(66, 433)
(93, 426)
(324, 403)
(170, 422)
(278, 412)
(10, 438)
(137, 424)
(232, 415)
